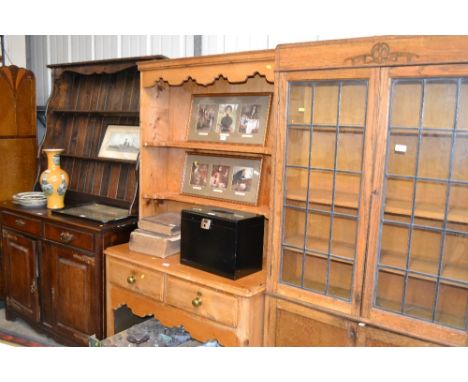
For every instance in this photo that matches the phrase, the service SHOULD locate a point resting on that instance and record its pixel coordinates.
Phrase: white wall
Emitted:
(15, 50)
(53, 49)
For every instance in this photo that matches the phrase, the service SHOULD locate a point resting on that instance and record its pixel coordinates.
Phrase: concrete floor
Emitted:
(23, 330)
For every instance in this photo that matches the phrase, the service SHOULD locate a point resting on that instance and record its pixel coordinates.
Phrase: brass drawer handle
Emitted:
(131, 279)
(20, 222)
(66, 237)
(197, 301)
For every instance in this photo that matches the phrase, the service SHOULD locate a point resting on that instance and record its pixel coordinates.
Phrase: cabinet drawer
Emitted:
(137, 279)
(72, 237)
(205, 302)
(22, 223)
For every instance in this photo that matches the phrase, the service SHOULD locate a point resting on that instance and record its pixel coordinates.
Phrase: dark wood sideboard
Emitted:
(53, 264)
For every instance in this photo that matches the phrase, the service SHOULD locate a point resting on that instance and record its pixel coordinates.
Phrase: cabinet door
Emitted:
(295, 325)
(21, 274)
(374, 337)
(71, 293)
(420, 250)
(326, 138)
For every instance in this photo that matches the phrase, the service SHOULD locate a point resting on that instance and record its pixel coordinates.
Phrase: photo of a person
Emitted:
(226, 118)
(242, 179)
(220, 176)
(199, 174)
(250, 119)
(206, 116)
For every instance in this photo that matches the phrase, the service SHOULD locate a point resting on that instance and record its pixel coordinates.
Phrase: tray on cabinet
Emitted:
(94, 211)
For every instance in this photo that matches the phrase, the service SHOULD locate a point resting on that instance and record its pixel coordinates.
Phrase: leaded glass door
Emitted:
(421, 258)
(323, 232)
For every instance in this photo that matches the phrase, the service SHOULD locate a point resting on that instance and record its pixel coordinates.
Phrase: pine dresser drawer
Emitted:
(205, 302)
(137, 279)
(21, 223)
(72, 237)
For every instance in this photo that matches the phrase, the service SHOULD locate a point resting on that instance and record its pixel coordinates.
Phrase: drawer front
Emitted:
(205, 302)
(21, 223)
(137, 279)
(64, 235)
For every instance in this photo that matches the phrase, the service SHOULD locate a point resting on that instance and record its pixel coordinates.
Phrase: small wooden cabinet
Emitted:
(55, 283)
(371, 216)
(208, 306)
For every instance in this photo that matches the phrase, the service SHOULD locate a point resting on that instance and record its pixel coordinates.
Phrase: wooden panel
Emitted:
(299, 326)
(69, 236)
(20, 167)
(21, 272)
(373, 51)
(75, 307)
(216, 306)
(17, 102)
(369, 336)
(22, 223)
(136, 279)
(206, 69)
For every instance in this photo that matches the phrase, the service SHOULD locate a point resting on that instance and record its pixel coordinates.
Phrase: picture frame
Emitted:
(241, 118)
(120, 142)
(220, 177)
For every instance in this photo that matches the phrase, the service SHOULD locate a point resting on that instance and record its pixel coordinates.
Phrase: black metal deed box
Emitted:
(225, 242)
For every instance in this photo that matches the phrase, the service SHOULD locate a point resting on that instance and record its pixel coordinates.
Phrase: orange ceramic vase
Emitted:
(54, 180)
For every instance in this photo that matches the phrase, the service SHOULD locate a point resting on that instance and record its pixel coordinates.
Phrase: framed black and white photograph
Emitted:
(241, 118)
(229, 178)
(120, 142)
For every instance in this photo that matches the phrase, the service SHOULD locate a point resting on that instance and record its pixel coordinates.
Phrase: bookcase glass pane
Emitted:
(294, 227)
(455, 265)
(318, 232)
(323, 148)
(462, 123)
(315, 272)
(347, 188)
(419, 298)
(460, 159)
(324, 145)
(439, 104)
(393, 246)
(320, 187)
(325, 109)
(448, 313)
(406, 103)
(353, 104)
(296, 185)
(350, 160)
(298, 147)
(402, 149)
(292, 267)
(389, 291)
(341, 277)
(424, 237)
(434, 156)
(343, 241)
(300, 104)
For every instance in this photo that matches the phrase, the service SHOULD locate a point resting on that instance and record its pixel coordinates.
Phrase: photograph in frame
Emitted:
(230, 178)
(241, 118)
(120, 142)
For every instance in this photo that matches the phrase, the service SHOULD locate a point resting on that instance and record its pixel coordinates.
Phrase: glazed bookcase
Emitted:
(370, 243)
